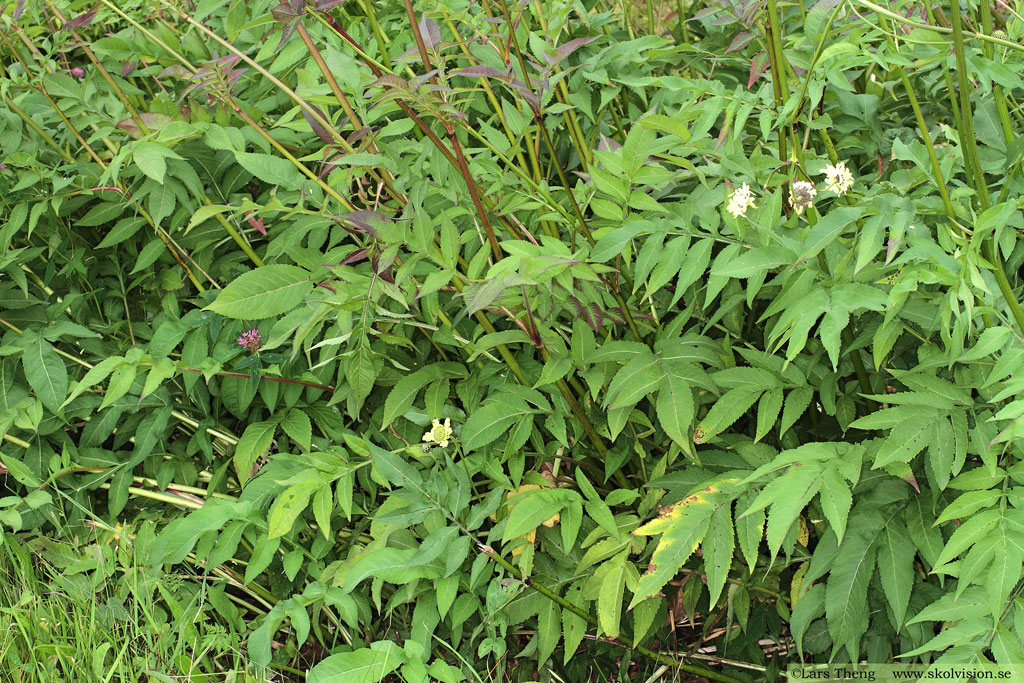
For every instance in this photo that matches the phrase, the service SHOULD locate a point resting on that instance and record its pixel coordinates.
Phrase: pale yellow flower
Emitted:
(801, 195)
(838, 178)
(439, 433)
(740, 200)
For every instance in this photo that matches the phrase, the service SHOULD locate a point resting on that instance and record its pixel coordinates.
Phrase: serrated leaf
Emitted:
(364, 665)
(289, 505)
(265, 292)
(810, 607)
(46, 373)
(846, 604)
(896, 569)
(609, 598)
(682, 526)
(717, 548)
(726, 410)
(488, 422)
(768, 411)
(633, 381)
(675, 408)
(828, 229)
(255, 441)
(549, 630)
(401, 397)
(296, 424)
(533, 508)
(749, 528)
(270, 169)
(836, 500)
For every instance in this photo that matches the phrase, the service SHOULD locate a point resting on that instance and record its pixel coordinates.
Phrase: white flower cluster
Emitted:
(838, 179)
(740, 200)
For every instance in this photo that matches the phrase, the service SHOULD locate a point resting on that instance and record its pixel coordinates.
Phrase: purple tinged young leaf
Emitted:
(480, 71)
(287, 33)
(79, 21)
(757, 68)
(286, 12)
(177, 71)
(325, 5)
(431, 32)
(567, 49)
(256, 223)
(355, 257)
(320, 131)
(742, 39)
(128, 68)
(891, 248)
(390, 81)
(366, 221)
(19, 10)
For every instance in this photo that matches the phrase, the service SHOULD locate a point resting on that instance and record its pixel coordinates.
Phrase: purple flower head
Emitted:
(78, 72)
(251, 340)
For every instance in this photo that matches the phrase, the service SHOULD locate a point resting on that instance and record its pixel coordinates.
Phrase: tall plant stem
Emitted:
(384, 175)
(460, 157)
(583, 223)
(968, 142)
(778, 71)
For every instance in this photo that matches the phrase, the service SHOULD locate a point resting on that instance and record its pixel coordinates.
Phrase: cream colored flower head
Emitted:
(439, 433)
(838, 178)
(740, 200)
(801, 195)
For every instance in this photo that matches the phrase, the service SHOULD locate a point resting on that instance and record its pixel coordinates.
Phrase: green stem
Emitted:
(969, 144)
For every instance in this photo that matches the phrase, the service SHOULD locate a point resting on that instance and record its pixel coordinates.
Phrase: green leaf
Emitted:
(290, 504)
(532, 508)
(846, 595)
(749, 528)
(574, 627)
(836, 500)
(364, 665)
(675, 408)
(967, 534)
(271, 169)
(488, 422)
(633, 381)
(828, 229)
(609, 598)
(46, 373)
(265, 292)
(122, 230)
(180, 536)
(810, 607)
(96, 374)
(361, 372)
(896, 569)
(768, 411)
(255, 441)
(726, 410)
(151, 159)
(296, 425)
(754, 262)
(401, 397)
(717, 547)
(549, 630)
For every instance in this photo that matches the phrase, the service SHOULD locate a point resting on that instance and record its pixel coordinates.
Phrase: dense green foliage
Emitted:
(467, 340)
